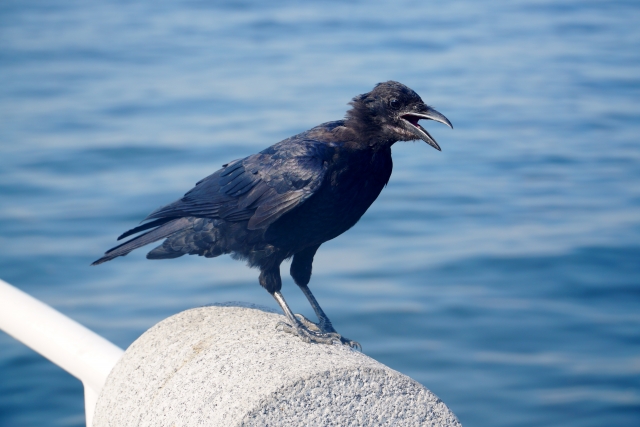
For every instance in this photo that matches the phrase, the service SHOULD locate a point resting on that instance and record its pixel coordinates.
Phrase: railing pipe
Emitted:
(76, 349)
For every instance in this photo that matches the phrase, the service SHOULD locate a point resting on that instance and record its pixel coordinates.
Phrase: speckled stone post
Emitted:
(228, 366)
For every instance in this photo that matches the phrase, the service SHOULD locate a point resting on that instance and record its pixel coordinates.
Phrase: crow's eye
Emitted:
(394, 103)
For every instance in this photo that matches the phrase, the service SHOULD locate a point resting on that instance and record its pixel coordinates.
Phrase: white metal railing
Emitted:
(79, 351)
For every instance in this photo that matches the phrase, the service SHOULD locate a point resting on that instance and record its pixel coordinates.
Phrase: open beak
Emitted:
(410, 122)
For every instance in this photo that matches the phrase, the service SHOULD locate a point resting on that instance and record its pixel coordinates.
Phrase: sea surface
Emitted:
(503, 273)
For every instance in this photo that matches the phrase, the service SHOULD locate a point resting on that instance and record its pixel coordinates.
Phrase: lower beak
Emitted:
(429, 114)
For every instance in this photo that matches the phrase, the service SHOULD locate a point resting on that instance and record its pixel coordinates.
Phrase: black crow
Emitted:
(290, 198)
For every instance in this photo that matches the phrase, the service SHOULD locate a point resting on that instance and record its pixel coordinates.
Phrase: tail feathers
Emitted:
(164, 230)
(152, 224)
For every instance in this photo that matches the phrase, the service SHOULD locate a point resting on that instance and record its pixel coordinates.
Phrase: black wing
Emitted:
(259, 188)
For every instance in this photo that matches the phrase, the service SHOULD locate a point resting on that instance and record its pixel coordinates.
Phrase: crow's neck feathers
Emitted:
(362, 120)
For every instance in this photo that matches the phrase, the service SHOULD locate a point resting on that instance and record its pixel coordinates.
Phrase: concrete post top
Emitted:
(229, 366)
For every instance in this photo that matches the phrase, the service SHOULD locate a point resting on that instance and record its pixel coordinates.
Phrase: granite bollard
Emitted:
(227, 365)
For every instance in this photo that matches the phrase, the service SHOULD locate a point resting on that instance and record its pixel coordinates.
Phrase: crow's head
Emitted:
(394, 109)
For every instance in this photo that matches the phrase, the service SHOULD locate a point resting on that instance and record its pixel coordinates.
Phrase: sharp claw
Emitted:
(311, 332)
(355, 345)
(351, 343)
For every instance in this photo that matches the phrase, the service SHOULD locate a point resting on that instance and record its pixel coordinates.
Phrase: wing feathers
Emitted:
(267, 214)
(262, 187)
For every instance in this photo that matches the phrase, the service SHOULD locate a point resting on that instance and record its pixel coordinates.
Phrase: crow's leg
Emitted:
(324, 324)
(301, 273)
(298, 328)
(271, 281)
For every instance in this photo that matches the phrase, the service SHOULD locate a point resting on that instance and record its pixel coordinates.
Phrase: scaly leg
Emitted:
(297, 327)
(301, 267)
(324, 324)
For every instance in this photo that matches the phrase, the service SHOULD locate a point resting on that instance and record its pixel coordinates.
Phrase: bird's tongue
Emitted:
(413, 120)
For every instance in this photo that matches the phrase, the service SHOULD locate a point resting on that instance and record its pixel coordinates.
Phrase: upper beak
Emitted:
(410, 122)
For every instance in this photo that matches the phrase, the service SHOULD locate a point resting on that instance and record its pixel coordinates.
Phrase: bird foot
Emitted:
(351, 343)
(310, 324)
(318, 333)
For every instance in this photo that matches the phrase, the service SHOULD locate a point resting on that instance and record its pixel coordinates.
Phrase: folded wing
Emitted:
(260, 188)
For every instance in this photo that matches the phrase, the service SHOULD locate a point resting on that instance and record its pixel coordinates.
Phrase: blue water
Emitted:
(502, 273)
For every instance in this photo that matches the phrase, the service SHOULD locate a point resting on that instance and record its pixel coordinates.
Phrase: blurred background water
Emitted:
(502, 273)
